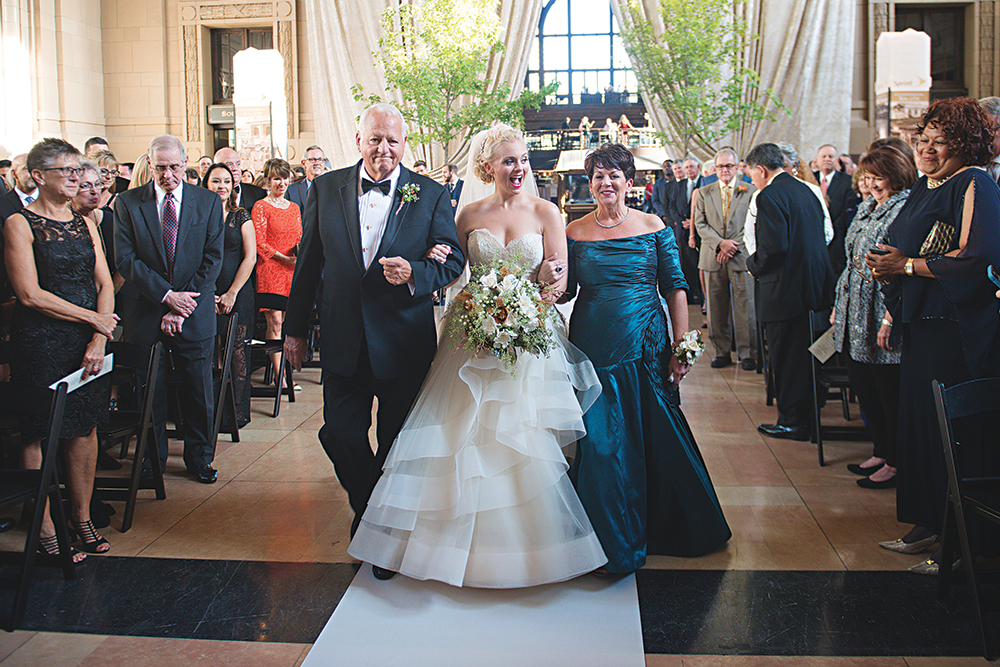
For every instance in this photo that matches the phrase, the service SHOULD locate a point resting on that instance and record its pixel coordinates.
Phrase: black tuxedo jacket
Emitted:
(10, 204)
(791, 263)
(681, 200)
(142, 261)
(663, 198)
(297, 193)
(249, 195)
(359, 305)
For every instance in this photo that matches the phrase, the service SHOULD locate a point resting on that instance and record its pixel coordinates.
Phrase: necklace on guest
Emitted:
(275, 201)
(931, 183)
(601, 224)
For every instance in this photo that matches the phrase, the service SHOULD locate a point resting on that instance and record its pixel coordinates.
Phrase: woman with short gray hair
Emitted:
(65, 303)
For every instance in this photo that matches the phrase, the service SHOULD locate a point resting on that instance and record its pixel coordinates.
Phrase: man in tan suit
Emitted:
(719, 214)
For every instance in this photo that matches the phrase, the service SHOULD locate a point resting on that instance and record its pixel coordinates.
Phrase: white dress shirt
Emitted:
(374, 209)
(749, 234)
(24, 197)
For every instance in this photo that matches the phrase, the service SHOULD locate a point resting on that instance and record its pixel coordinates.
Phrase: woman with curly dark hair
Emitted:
(938, 294)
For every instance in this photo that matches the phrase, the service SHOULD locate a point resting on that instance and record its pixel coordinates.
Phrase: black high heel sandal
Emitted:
(48, 551)
(90, 541)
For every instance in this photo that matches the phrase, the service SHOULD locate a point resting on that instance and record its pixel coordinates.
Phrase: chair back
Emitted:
(967, 399)
(21, 398)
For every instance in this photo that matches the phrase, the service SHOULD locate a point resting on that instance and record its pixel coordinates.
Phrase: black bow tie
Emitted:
(385, 186)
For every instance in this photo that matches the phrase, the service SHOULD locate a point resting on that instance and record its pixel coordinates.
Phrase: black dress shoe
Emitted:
(147, 473)
(866, 483)
(721, 362)
(748, 364)
(784, 432)
(205, 474)
(6, 524)
(382, 574)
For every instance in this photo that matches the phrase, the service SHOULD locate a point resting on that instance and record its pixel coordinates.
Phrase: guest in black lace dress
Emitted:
(61, 322)
(233, 290)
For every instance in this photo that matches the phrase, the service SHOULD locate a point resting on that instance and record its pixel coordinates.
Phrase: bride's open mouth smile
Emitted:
(516, 181)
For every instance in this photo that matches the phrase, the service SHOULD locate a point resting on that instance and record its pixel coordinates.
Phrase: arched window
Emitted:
(578, 45)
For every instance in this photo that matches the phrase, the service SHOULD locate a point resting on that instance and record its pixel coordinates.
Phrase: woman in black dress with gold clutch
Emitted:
(937, 292)
(63, 318)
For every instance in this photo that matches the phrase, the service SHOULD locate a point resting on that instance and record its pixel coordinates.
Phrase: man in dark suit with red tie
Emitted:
(168, 247)
(794, 277)
(368, 228)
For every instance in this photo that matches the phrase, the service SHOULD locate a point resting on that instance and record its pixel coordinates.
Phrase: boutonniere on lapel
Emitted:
(741, 188)
(407, 193)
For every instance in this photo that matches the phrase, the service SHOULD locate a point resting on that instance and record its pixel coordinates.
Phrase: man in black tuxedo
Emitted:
(368, 228)
(794, 277)
(681, 217)
(247, 194)
(453, 184)
(168, 247)
(840, 197)
(314, 163)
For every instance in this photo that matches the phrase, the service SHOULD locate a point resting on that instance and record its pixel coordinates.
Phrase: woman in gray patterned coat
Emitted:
(861, 324)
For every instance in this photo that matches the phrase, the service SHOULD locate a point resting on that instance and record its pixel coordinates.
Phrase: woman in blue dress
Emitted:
(638, 470)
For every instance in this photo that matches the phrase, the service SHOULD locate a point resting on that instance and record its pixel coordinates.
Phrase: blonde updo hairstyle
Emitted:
(496, 136)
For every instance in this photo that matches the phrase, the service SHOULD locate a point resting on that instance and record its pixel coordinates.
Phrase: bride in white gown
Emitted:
(474, 491)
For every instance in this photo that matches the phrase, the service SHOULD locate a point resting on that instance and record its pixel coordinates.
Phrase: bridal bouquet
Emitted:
(501, 312)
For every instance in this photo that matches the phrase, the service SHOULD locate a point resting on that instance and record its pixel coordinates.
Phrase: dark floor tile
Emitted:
(194, 599)
(804, 613)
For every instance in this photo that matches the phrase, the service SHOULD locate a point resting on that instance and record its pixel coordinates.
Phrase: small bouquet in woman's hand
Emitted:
(690, 348)
(501, 312)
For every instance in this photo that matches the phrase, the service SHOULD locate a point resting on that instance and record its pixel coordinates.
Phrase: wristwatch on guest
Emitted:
(908, 267)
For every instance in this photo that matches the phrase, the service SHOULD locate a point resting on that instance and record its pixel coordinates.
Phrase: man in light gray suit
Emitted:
(168, 247)
(719, 214)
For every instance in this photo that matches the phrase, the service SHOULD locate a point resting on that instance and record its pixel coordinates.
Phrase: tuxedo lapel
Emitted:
(397, 211)
(351, 218)
(152, 219)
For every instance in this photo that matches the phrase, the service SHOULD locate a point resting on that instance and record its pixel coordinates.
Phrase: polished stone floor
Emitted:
(246, 571)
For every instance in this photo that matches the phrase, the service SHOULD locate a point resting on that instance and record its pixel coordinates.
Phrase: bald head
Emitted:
(231, 159)
(22, 178)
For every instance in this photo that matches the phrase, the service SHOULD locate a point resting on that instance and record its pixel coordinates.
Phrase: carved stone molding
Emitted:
(987, 46)
(192, 100)
(288, 56)
(214, 11)
(881, 13)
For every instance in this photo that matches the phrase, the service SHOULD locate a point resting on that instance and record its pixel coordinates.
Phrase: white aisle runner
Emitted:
(402, 622)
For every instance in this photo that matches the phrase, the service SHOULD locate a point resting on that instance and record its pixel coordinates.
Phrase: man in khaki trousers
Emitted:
(719, 214)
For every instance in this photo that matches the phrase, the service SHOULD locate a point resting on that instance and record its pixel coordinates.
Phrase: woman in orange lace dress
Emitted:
(278, 226)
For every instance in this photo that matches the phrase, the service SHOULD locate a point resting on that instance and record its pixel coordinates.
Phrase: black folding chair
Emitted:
(830, 378)
(260, 352)
(968, 496)
(138, 364)
(222, 378)
(19, 486)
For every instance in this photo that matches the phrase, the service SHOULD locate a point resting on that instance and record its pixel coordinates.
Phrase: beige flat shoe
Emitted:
(901, 547)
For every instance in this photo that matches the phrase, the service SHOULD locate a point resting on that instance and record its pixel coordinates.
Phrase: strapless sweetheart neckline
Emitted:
(497, 238)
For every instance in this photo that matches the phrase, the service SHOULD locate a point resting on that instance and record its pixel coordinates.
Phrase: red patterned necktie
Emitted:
(168, 220)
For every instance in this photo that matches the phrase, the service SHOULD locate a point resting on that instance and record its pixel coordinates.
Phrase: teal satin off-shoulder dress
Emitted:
(638, 470)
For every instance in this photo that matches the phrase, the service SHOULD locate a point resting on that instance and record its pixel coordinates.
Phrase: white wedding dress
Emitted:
(474, 491)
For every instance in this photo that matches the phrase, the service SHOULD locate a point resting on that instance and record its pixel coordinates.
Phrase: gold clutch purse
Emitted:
(938, 241)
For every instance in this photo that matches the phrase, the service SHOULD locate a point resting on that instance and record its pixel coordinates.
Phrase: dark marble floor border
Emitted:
(682, 612)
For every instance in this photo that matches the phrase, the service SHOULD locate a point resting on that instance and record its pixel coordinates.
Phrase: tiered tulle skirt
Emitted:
(475, 491)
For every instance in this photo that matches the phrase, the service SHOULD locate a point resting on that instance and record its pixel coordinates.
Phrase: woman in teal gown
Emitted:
(638, 470)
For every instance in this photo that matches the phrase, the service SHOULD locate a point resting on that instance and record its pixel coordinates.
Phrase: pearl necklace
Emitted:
(274, 201)
(628, 211)
(931, 183)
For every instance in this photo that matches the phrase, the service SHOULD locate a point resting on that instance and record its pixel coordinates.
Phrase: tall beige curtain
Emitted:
(343, 34)
(805, 53)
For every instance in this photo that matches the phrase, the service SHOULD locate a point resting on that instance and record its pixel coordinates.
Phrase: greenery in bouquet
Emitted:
(689, 348)
(501, 312)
